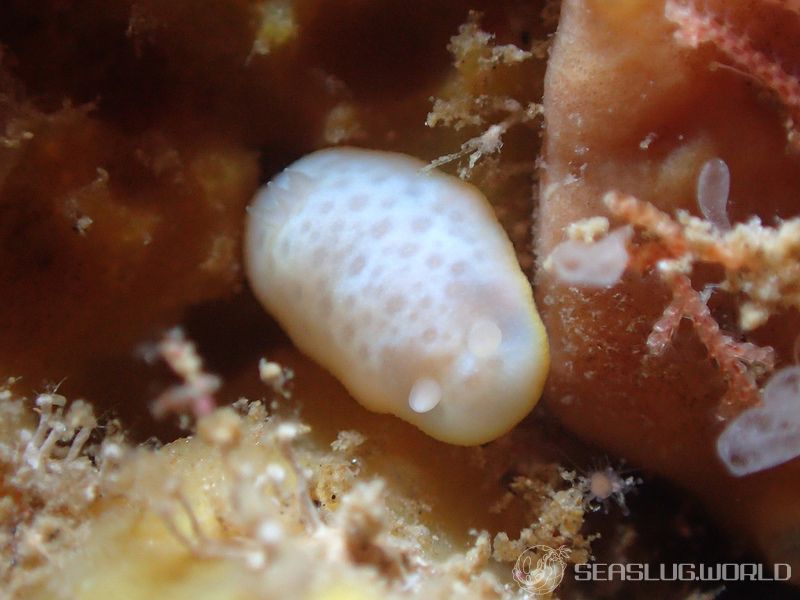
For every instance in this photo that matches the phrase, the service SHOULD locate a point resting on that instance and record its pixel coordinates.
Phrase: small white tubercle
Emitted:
(425, 395)
(404, 286)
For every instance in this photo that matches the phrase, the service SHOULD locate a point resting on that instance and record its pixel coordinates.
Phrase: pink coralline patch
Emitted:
(697, 27)
(195, 396)
(671, 254)
(737, 360)
(671, 235)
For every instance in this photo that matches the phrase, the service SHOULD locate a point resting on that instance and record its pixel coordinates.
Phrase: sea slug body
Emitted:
(404, 286)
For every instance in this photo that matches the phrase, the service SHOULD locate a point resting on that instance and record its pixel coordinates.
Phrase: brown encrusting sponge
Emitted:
(640, 101)
(649, 146)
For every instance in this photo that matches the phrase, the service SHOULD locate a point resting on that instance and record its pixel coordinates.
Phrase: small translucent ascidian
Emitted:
(403, 285)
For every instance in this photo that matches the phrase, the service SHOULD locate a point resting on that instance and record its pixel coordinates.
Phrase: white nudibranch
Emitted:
(404, 286)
